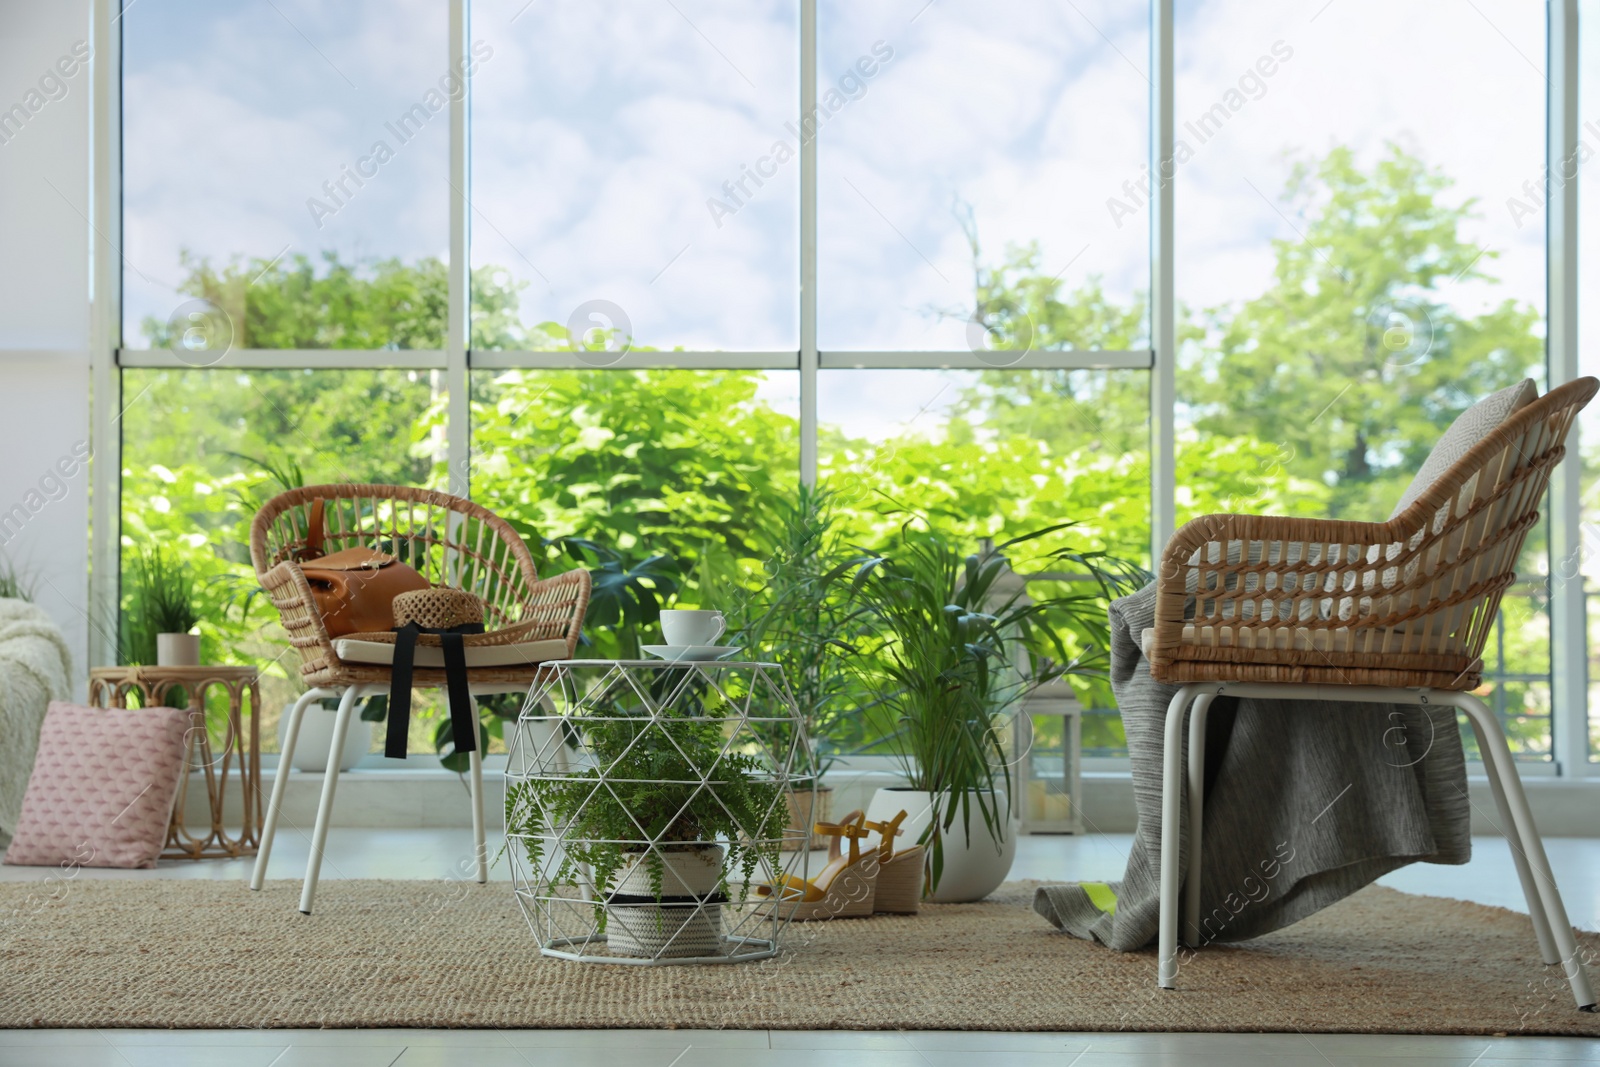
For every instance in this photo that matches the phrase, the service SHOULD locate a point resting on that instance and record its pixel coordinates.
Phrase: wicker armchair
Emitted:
(1394, 612)
(451, 542)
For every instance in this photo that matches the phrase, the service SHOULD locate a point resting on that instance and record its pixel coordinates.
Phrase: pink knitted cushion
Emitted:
(102, 787)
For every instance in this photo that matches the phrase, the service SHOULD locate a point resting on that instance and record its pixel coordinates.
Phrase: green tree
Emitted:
(1353, 359)
(297, 303)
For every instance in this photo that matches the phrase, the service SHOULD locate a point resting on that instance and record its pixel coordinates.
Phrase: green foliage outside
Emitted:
(1319, 396)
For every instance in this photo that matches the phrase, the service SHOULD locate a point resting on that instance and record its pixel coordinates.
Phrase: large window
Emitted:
(706, 249)
(1349, 276)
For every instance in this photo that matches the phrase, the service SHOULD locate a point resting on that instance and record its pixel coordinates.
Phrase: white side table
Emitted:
(609, 763)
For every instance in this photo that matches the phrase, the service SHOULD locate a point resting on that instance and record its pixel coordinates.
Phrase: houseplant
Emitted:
(160, 614)
(655, 822)
(803, 619)
(961, 644)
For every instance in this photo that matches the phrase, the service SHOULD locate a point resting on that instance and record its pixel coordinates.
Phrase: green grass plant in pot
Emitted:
(14, 584)
(960, 645)
(661, 819)
(160, 615)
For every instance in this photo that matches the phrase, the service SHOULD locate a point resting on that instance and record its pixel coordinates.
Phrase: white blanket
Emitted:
(35, 668)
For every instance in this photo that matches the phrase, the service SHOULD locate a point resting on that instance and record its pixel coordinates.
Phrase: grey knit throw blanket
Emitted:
(1305, 803)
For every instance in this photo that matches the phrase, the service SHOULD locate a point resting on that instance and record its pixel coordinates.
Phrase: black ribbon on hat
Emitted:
(462, 723)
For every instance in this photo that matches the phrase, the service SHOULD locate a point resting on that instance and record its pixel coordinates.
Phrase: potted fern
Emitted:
(662, 823)
(960, 644)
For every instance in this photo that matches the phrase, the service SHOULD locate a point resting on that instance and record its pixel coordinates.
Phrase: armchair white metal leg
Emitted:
(1557, 943)
(1527, 844)
(480, 848)
(1171, 810)
(330, 783)
(1197, 794)
(1519, 856)
(280, 781)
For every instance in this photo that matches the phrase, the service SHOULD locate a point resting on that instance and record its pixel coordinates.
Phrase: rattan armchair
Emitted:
(451, 542)
(1394, 612)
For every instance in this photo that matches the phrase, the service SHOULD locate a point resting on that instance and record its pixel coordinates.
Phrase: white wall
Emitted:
(44, 306)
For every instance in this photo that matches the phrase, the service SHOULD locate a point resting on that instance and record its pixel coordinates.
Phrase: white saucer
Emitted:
(691, 652)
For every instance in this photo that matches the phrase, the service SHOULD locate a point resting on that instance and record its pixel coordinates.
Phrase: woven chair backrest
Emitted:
(450, 541)
(1433, 583)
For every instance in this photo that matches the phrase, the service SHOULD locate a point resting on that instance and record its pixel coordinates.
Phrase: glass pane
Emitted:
(996, 454)
(635, 162)
(676, 475)
(204, 449)
(287, 164)
(1356, 266)
(1008, 141)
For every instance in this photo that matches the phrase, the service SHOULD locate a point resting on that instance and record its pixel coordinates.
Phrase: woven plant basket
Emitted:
(682, 922)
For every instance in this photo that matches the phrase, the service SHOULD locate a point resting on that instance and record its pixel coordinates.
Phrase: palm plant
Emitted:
(962, 643)
(803, 618)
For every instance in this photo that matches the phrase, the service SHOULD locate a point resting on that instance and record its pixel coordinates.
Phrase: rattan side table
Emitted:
(109, 688)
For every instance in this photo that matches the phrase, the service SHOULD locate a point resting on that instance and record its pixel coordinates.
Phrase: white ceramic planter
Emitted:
(177, 650)
(645, 929)
(316, 735)
(531, 747)
(973, 868)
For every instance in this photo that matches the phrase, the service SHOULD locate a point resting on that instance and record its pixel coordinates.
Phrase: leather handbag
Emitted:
(354, 588)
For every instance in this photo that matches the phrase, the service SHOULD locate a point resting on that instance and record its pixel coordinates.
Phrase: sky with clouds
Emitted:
(632, 151)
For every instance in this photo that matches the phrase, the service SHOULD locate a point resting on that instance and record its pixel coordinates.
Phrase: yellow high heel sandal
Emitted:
(844, 889)
(899, 873)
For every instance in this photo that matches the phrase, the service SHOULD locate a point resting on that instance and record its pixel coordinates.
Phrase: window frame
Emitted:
(1569, 650)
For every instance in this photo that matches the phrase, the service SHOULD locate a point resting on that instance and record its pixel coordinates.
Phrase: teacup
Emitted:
(682, 627)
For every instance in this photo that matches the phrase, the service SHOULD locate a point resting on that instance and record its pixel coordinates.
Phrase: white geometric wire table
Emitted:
(646, 815)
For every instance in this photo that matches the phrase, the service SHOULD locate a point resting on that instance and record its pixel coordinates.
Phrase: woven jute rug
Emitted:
(165, 953)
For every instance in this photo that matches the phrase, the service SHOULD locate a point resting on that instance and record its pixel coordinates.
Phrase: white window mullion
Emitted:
(560, 359)
(293, 359)
(105, 329)
(1163, 335)
(808, 246)
(1035, 359)
(457, 335)
(1568, 623)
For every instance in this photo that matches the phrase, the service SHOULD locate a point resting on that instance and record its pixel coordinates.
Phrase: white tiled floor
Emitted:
(1488, 879)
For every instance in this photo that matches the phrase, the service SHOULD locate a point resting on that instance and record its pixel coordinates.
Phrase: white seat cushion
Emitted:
(382, 652)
